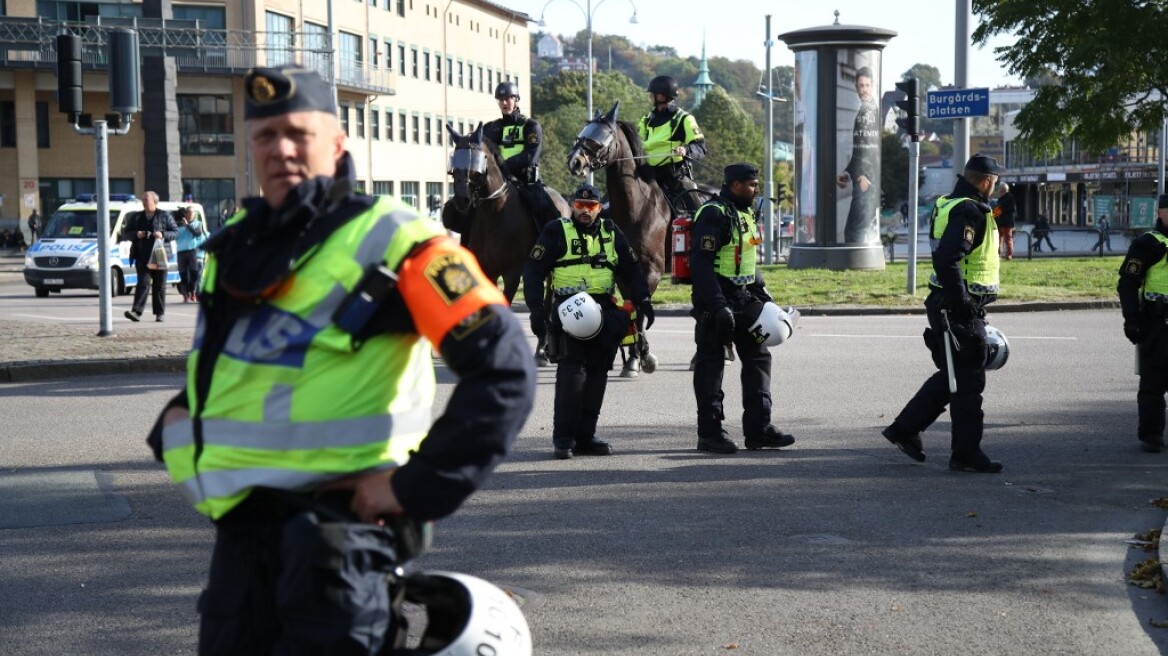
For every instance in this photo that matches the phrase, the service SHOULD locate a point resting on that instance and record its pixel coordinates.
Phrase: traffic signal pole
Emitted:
(911, 124)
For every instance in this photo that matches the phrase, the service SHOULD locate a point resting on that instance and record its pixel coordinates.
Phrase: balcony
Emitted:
(32, 43)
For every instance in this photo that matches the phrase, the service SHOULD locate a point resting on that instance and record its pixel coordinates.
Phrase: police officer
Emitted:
(727, 285)
(520, 142)
(582, 254)
(964, 281)
(1143, 296)
(672, 141)
(304, 425)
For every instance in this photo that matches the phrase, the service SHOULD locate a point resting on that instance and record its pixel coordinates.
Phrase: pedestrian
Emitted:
(145, 231)
(304, 428)
(583, 258)
(1143, 298)
(191, 235)
(519, 139)
(1104, 228)
(1005, 215)
(727, 286)
(1041, 232)
(672, 141)
(964, 281)
(34, 226)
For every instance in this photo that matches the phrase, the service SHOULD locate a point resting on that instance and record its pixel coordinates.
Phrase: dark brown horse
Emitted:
(636, 203)
(500, 230)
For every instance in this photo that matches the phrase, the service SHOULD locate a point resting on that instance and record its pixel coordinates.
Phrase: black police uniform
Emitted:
(582, 366)
(711, 292)
(965, 231)
(1144, 325)
(524, 166)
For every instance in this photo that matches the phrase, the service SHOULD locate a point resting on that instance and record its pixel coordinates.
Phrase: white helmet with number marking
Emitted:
(465, 616)
(774, 325)
(581, 316)
(997, 348)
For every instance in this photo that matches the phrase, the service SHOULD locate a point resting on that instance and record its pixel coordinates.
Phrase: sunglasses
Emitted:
(585, 204)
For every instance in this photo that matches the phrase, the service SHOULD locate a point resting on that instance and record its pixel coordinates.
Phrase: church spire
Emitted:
(702, 84)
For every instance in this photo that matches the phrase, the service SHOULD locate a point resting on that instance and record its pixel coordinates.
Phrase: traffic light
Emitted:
(911, 123)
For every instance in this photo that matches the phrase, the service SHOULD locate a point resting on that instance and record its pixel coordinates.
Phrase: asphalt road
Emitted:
(839, 545)
(80, 306)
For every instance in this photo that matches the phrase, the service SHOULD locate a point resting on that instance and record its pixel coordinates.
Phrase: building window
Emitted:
(278, 40)
(374, 60)
(55, 191)
(401, 7)
(439, 129)
(216, 195)
(389, 136)
(402, 130)
(7, 124)
(316, 46)
(414, 61)
(401, 58)
(429, 132)
(426, 65)
(388, 55)
(344, 110)
(480, 79)
(206, 125)
(450, 71)
(438, 67)
(417, 134)
(350, 56)
(210, 18)
(360, 121)
(490, 79)
(42, 124)
(409, 193)
(461, 83)
(382, 187)
(375, 123)
(434, 196)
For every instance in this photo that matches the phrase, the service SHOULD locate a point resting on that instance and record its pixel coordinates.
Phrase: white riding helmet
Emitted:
(997, 348)
(774, 325)
(581, 316)
(466, 616)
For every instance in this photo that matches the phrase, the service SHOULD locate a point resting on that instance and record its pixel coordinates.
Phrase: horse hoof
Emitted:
(649, 363)
(630, 373)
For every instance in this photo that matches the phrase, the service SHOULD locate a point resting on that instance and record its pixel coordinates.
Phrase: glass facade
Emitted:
(216, 195)
(206, 125)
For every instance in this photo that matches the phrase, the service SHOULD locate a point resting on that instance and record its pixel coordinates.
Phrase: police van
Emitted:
(65, 255)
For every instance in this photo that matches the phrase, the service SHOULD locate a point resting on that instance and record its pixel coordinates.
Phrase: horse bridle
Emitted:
(596, 145)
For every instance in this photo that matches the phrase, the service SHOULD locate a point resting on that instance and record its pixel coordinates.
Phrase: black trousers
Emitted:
(709, 365)
(1153, 381)
(673, 181)
(930, 401)
(151, 282)
(582, 379)
(291, 583)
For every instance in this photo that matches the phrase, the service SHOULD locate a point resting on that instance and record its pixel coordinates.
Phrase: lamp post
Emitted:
(588, 10)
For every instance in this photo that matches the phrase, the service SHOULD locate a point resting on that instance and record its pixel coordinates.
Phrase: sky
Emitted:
(736, 29)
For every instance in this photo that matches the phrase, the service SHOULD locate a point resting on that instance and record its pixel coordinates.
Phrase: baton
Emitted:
(949, 353)
(1137, 347)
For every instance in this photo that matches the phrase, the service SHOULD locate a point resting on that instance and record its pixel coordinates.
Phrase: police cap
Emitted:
(586, 192)
(984, 164)
(740, 172)
(276, 91)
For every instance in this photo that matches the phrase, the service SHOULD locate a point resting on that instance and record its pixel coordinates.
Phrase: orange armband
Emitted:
(442, 284)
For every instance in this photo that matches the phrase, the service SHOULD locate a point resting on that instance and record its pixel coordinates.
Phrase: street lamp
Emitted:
(588, 11)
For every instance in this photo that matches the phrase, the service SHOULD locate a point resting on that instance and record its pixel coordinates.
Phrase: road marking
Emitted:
(51, 318)
(1011, 337)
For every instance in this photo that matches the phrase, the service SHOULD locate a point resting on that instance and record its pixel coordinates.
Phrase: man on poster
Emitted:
(863, 169)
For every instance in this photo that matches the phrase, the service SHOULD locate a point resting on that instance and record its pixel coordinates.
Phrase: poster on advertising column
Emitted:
(858, 131)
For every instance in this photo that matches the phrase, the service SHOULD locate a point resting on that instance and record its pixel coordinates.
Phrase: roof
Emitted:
(498, 9)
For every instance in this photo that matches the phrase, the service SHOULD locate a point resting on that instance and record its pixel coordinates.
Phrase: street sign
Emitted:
(958, 103)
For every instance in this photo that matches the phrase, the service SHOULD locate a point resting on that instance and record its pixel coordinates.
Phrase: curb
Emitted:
(674, 310)
(41, 370)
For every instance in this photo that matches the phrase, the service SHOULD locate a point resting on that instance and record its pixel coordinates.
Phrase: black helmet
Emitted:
(506, 90)
(664, 85)
(586, 192)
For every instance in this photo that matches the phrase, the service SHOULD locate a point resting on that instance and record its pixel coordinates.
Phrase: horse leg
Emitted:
(632, 366)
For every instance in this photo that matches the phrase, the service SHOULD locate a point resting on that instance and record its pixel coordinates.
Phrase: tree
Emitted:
(731, 136)
(1108, 55)
(893, 171)
(928, 74)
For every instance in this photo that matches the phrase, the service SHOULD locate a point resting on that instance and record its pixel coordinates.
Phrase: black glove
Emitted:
(645, 307)
(538, 324)
(1133, 331)
(724, 325)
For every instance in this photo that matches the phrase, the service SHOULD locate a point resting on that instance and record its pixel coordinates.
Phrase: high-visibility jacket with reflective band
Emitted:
(737, 259)
(289, 406)
(659, 142)
(516, 134)
(1156, 278)
(980, 268)
(574, 271)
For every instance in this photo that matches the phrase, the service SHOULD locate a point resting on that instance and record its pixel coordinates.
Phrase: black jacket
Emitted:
(532, 141)
(965, 231)
(160, 221)
(1144, 251)
(711, 291)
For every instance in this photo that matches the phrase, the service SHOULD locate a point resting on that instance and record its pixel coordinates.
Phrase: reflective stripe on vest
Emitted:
(290, 405)
(578, 269)
(658, 140)
(513, 133)
(1156, 278)
(736, 260)
(979, 269)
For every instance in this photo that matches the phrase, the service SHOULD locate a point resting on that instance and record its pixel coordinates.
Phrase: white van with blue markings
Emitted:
(65, 255)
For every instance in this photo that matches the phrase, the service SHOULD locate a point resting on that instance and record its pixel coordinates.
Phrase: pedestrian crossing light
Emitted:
(911, 123)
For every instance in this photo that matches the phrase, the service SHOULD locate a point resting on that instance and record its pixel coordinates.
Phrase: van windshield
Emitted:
(75, 224)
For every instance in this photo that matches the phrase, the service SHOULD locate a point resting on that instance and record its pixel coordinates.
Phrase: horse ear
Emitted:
(478, 133)
(597, 117)
(612, 112)
(454, 136)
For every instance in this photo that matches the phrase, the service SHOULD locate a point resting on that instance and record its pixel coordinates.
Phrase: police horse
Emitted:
(636, 203)
(489, 213)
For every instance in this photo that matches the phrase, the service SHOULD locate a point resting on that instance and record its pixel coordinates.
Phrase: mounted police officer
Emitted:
(520, 142)
(1143, 295)
(305, 425)
(584, 257)
(672, 141)
(728, 292)
(964, 281)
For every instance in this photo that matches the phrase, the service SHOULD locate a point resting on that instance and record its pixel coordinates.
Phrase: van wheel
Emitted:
(117, 283)
(42, 292)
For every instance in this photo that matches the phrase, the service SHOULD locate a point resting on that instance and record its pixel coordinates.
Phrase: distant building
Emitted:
(549, 47)
(578, 64)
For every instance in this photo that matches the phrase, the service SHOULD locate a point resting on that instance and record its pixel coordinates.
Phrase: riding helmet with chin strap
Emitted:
(664, 85)
(507, 90)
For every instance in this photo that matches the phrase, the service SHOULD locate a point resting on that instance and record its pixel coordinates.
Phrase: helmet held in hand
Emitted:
(581, 316)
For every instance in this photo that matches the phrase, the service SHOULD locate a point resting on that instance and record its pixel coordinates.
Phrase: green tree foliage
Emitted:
(928, 74)
(893, 171)
(1108, 55)
(731, 136)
